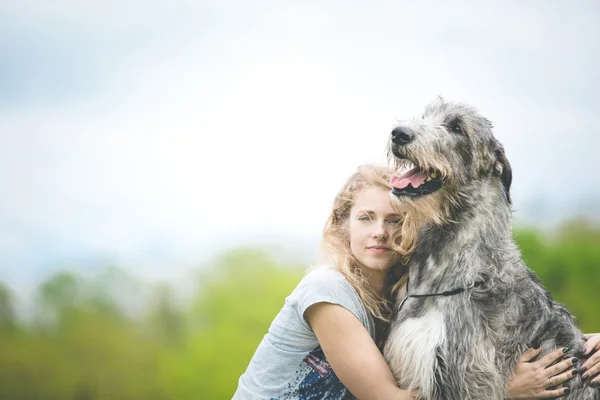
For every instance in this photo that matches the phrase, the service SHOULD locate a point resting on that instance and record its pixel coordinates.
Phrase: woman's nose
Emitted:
(380, 231)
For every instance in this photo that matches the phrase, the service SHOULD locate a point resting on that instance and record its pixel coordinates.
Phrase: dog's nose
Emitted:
(402, 135)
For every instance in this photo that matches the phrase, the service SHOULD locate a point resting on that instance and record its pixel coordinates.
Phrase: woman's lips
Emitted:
(378, 249)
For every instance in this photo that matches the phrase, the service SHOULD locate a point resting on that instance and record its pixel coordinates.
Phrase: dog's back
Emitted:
(472, 307)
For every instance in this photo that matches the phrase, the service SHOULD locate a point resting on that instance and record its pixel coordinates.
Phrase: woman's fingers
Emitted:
(557, 380)
(549, 358)
(530, 354)
(590, 335)
(550, 394)
(593, 343)
(562, 377)
(592, 372)
(561, 366)
(595, 381)
(591, 366)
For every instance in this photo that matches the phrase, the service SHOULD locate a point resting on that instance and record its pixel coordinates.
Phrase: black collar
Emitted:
(445, 293)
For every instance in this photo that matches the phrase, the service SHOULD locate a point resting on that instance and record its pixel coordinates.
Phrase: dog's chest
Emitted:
(412, 346)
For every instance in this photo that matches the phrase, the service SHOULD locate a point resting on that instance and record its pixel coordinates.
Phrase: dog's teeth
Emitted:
(433, 174)
(428, 179)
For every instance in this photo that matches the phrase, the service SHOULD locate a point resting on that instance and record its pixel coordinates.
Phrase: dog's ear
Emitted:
(503, 170)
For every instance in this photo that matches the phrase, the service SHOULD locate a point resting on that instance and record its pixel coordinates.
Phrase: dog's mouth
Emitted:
(416, 182)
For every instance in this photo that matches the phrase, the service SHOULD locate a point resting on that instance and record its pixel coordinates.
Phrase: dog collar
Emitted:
(445, 293)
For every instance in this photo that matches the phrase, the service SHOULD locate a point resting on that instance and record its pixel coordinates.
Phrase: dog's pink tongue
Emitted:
(414, 177)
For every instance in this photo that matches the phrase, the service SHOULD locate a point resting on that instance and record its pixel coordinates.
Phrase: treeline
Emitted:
(114, 337)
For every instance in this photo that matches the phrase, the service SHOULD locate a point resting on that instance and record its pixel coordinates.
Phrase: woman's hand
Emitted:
(532, 379)
(591, 366)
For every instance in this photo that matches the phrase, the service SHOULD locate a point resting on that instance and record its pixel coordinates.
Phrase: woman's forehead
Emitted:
(374, 199)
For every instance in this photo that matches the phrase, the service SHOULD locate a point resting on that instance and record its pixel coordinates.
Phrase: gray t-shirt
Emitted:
(289, 363)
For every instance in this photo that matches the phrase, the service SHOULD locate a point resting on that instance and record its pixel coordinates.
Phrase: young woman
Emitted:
(322, 343)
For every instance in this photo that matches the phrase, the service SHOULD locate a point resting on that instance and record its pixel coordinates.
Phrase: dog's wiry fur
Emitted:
(466, 346)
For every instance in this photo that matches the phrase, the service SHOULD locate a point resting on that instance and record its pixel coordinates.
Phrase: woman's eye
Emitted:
(364, 218)
(395, 221)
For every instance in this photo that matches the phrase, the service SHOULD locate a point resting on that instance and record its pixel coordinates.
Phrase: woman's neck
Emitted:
(377, 279)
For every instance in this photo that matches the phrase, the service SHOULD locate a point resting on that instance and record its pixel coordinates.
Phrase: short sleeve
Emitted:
(329, 285)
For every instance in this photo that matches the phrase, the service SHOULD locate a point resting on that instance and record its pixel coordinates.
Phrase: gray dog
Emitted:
(471, 307)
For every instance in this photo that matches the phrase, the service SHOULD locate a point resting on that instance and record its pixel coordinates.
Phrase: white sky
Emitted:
(157, 134)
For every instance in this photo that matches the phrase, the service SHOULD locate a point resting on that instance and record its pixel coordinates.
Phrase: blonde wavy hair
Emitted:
(335, 243)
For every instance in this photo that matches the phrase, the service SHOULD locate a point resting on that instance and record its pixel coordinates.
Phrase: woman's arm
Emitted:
(352, 353)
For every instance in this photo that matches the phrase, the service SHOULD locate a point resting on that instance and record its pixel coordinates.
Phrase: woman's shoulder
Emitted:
(326, 271)
(325, 281)
(324, 275)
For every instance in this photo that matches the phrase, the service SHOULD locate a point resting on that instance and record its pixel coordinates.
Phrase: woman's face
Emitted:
(372, 225)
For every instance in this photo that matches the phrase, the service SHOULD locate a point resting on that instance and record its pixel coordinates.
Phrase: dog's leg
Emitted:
(476, 380)
(466, 366)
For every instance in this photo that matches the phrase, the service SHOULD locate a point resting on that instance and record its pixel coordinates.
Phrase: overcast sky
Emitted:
(157, 134)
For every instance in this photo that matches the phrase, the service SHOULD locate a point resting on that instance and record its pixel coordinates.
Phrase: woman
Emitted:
(322, 343)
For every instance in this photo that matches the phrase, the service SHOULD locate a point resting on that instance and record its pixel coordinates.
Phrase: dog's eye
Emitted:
(455, 128)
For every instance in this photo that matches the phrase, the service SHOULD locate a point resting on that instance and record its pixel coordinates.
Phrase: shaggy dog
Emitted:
(471, 307)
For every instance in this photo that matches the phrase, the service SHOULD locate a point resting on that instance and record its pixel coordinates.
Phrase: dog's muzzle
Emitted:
(417, 181)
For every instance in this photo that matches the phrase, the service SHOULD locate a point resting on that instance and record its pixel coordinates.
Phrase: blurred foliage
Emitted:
(91, 339)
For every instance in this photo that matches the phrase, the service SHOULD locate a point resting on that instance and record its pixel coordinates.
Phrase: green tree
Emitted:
(240, 294)
(7, 312)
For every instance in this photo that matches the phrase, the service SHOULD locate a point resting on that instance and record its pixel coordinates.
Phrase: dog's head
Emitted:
(448, 147)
